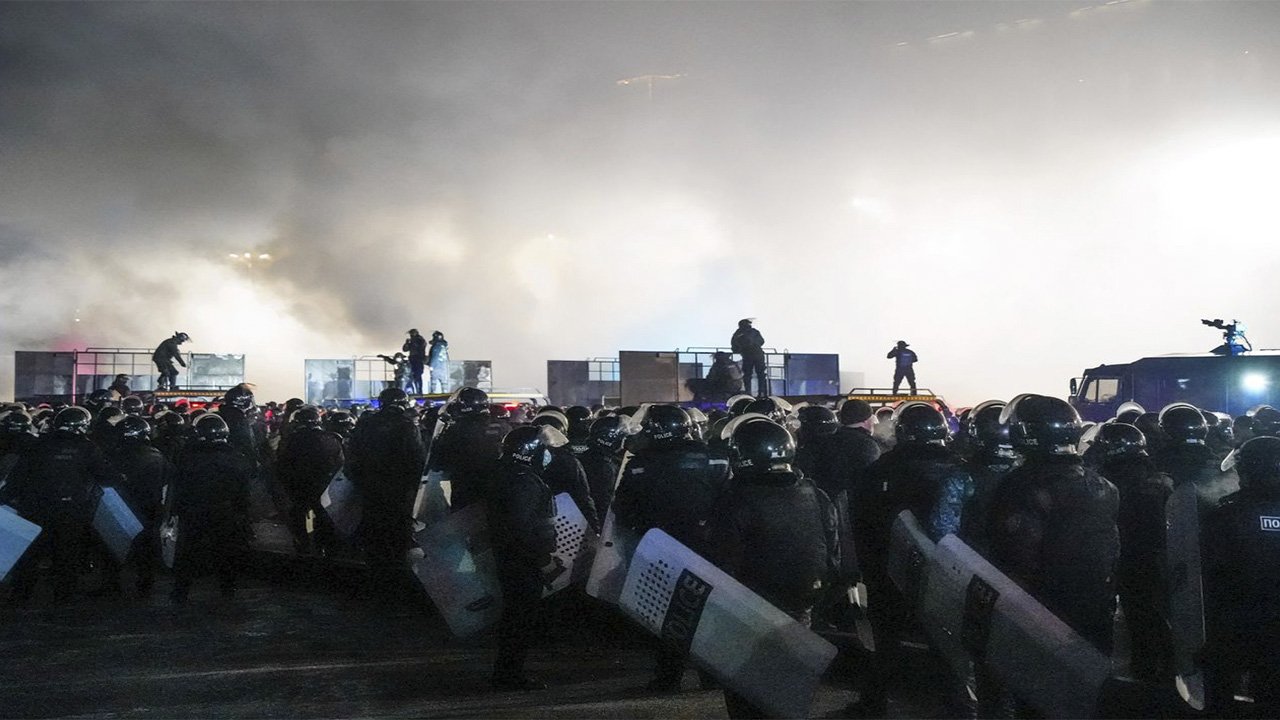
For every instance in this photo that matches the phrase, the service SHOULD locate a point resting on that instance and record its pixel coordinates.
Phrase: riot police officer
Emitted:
(385, 461)
(144, 474)
(672, 483)
(467, 450)
(521, 515)
(211, 502)
(920, 473)
(166, 353)
(1140, 576)
(603, 458)
(1052, 522)
(305, 463)
(991, 459)
(846, 454)
(1241, 542)
(565, 474)
(773, 530)
(749, 343)
(56, 486)
(817, 424)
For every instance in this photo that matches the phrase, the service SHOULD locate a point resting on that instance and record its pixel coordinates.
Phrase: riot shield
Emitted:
(574, 542)
(169, 540)
(910, 551)
(454, 562)
(613, 552)
(116, 524)
(972, 609)
(341, 501)
(748, 645)
(1186, 596)
(16, 535)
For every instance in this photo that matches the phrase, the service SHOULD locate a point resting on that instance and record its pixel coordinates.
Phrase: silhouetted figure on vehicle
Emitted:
(749, 343)
(903, 365)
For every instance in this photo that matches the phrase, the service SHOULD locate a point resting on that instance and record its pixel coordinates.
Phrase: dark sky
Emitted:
(1018, 189)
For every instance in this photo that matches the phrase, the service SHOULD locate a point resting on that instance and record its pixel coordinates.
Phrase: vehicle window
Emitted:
(1103, 389)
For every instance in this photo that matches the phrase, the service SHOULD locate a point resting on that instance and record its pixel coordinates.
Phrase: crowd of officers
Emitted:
(795, 502)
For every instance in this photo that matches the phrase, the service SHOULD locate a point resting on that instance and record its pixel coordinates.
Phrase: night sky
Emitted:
(1020, 190)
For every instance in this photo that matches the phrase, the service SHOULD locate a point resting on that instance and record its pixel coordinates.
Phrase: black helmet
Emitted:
(577, 414)
(985, 428)
(132, 405)
(306, 416)
(394, 397)
(738, 405)
(468, 401)
(665, 423)
(1117, 439)
(1266, 422)
(1039, 424)
(854, 411)
(211, 429)
(775, 408)
(759, 446)
(15, 422)
(1257, 462)
(920, 422)
(530, 446)
(181, 337)
(73, 420)
(1183, 423)
(133, 428)
(239, 397)
(610, 433)
(339, 421)
(551, 417)
(1149, 424)
(818, 419)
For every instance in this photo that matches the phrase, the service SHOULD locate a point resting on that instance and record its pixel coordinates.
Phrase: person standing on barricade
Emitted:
(416, 346)
(164, 356)
(438, 360)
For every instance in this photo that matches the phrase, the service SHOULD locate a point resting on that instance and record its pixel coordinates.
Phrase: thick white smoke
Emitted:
(1019, 191)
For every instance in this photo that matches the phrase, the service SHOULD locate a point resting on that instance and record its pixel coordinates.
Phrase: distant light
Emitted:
(1254, 382)
(234, 256)
(264, 256)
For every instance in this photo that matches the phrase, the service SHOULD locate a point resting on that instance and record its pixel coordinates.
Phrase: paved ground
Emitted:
(296, 643)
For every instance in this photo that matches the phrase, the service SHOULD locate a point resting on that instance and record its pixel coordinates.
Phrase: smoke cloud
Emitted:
(1019, 190)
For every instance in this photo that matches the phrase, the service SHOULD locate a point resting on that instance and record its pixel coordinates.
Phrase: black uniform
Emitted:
(385, 462)
(466, 451)
(211, 501)
(164, 356)
(930, 481)
(842, 458)
(673, 486)
(749, 343)
(305, 463)
(144, 473)
(56, 485)
(521, 515)
(1240, 540)
(601, 468)
(1140, 575)
(904, 361)
(988, 469)
(776, 533)
(416, 347)
(1052, 529)
(566, 475)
